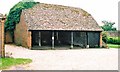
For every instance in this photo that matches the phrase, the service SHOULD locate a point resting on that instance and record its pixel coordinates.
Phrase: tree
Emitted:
(108, 26)
(13, 17)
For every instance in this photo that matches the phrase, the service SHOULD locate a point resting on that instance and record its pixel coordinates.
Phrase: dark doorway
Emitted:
(80, 39)
(41, 38)
(93, 39)
(46, 38)
(62, 38)
(35, 38)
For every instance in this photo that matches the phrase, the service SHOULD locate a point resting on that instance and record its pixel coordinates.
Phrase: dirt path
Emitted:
(76, 59)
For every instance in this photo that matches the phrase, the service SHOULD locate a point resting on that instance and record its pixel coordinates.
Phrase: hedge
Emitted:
(113, 40)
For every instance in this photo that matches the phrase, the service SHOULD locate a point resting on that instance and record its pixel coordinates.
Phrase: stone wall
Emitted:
(22, 36)
(112, 33)
(8, 37)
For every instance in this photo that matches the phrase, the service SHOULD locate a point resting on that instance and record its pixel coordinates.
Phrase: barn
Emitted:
(56, 25)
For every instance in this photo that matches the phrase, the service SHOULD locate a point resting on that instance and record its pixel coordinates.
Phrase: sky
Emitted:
(99, 9)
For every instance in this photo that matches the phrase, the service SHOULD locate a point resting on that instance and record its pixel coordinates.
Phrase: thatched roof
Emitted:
(57, 17)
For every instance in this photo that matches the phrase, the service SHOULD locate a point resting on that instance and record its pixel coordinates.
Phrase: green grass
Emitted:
(113, 46)
(8, 62)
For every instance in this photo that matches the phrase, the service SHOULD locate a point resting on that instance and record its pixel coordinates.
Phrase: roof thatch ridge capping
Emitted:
(57, 17)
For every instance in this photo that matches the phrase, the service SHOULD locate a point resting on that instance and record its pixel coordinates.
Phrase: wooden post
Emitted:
(57, 35)
(2, 40)
(71, 40)
(29, 39)
(87, 46)
(100, 39)
(53, 40)
(40, 39)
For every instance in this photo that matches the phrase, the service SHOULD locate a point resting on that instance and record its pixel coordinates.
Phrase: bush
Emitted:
(110, 40)
(113, 40)
(104, 36)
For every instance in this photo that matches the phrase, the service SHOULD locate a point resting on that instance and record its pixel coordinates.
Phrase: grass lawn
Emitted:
(113, 46)
(8, 62)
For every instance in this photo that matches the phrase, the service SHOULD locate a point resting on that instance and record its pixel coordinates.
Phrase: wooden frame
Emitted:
(71, 40)
(2, 38)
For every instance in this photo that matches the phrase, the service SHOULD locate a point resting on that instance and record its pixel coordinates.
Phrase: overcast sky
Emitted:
(99, 9)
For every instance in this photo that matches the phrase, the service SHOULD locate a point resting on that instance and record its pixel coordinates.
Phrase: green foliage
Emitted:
(113, 40)
(108, 26)
(104, 36)
(110, 40)
(13, 17)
